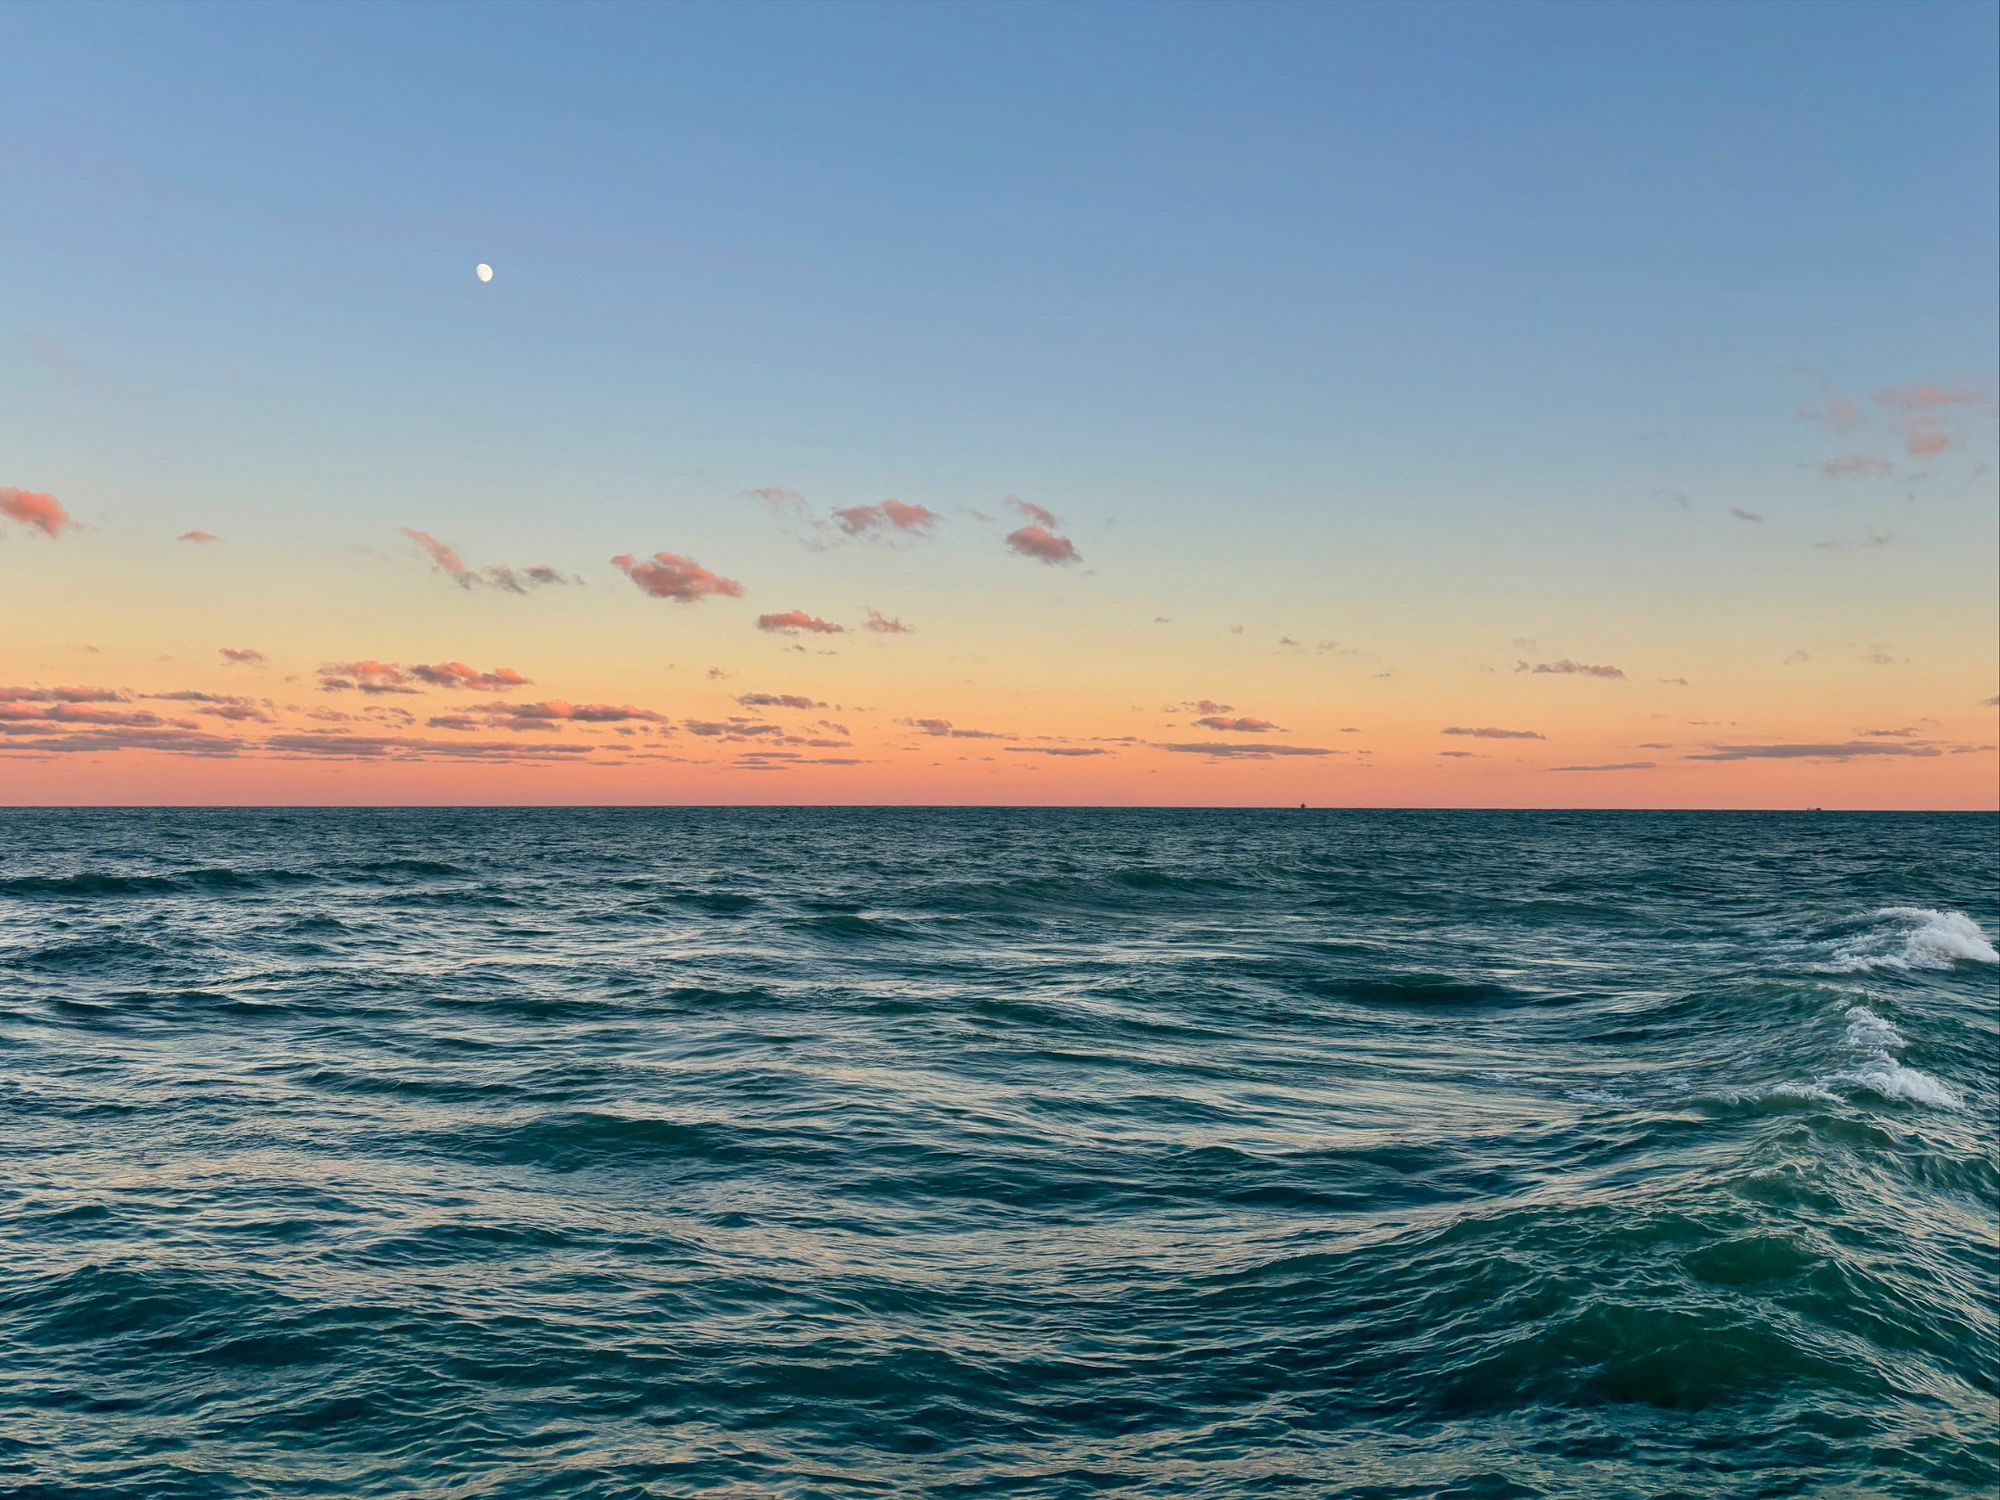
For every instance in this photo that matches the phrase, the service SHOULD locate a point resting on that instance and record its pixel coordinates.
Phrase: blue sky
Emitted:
(1375, 300)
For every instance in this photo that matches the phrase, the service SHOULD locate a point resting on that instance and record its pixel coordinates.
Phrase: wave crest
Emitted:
(1916, 937)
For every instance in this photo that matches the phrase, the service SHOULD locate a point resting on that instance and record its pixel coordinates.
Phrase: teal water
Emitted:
(969, 1153)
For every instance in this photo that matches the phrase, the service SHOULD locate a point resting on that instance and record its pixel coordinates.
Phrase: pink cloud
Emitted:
(1926, 397)
(444, 557)
(1040, 515)
(197, 536)
(241, 656)
(1834, 413)
(883, 624)
(1855, 464)
(889, 516)
(668, 575)
(1247, 724)
(1488, 733)
(43, 512)
(798, 619)
(456, 674)
(1924, 439)
(1039, 542)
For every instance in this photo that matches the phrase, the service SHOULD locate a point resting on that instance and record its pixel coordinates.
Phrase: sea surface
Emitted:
(998, 1153)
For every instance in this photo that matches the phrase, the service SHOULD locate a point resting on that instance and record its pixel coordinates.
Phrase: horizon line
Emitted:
(7, 807)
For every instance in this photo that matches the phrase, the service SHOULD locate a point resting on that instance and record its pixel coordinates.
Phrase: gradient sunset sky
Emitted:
(1433, 405)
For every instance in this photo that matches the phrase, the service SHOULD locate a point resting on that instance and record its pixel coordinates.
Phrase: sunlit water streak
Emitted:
(956, 1153)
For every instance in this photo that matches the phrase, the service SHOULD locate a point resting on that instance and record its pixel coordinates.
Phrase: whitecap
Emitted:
(1596, 1096)
(1797, 1091)
(1892, 1080)
(1917, 937)
(1884, 1074)
(1867, 1031)
(1877, 1071)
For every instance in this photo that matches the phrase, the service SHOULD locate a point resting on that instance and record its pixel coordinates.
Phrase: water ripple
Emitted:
(611, 1153)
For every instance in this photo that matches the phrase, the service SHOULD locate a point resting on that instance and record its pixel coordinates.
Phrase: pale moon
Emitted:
(483, 271)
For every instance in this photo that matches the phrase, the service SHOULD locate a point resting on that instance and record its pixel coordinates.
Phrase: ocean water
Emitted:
(1025, 1153)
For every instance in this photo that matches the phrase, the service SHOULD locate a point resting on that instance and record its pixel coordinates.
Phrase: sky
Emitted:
(1500, 405)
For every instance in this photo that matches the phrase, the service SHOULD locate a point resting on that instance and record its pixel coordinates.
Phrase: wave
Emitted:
(1876, 1070)
(1915, 937)
(87, 883)
(1881, 1072)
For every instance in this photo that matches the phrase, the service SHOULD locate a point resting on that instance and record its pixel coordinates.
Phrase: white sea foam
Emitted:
(1867, 1031)
(1876, 1070)
(1892, 1080)
(1596, 1096)
(1915, 937)
(1794, 1091)
(1880, 1071)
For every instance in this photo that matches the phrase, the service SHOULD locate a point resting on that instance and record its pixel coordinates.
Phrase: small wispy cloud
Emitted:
(669, 575)
(1927, 397)
(1487, 732)
(556, 711)
(1239, 750)
(1924, 439)
(1244, 724)
(456, 674)
(1616, 765)
(1833, 412)
(76, 694)
(1856, 465)
(371, 677)
(198, 537)
(1568, 668)
(241, 656)
(945, 729)
(1043, 545)
(1844, 750)
(37, 511)
(890, 518)
(883, 624)
(792, 621)
(447, 559)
